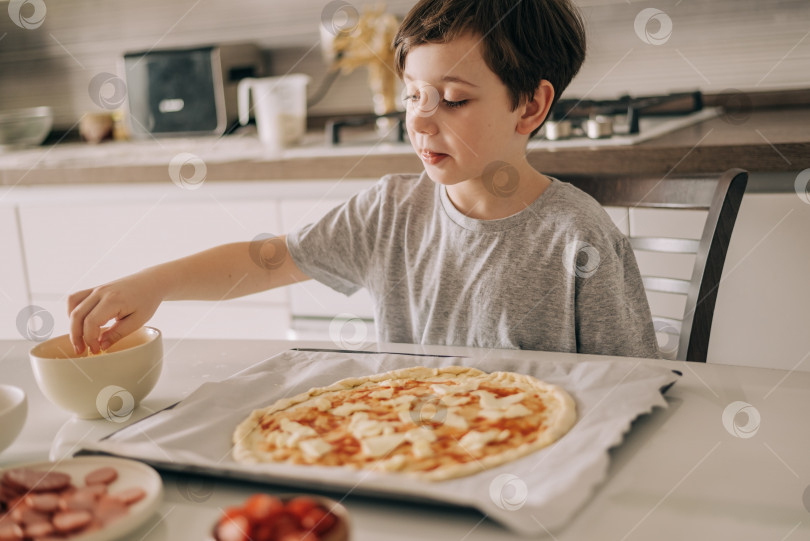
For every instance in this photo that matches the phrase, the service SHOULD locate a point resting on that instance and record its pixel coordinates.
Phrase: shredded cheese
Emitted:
(314, 448)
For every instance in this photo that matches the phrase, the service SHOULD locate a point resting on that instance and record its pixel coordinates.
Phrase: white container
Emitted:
(109, 385)
(13, 411)
(279, 107)
(25, 127)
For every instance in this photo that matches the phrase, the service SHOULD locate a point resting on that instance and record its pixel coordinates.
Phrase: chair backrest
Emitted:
(719, 194)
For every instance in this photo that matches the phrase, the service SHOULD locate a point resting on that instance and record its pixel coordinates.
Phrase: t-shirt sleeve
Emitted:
(337, 249)
(612, 313)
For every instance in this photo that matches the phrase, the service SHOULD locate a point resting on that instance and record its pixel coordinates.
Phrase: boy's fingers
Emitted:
(75, 320)
(117, 331)
(76, 298)
(92, 326)
(78, 317)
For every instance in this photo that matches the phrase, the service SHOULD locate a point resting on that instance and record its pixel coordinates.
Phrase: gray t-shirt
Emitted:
(557, 276)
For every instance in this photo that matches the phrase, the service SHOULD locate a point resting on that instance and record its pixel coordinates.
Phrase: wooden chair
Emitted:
(720, 195)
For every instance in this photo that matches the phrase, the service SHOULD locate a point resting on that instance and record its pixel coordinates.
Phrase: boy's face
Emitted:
(459, 115)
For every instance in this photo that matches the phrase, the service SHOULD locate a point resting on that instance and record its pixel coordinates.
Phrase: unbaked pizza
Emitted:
(431, 423)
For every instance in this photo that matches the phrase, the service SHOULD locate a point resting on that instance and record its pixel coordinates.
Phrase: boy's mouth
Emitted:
(432, 158)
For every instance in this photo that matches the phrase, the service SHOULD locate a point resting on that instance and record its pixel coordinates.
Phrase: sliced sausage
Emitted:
(36, 481)
(101, 476)
(40, 505)
(38, 530)
(97, 491)
(46, 502)
(9, 494)
(11, 532)
(130, 495)
(25, 515)
(7, 482)
(77, 501)
(70, 521)
(108, 509)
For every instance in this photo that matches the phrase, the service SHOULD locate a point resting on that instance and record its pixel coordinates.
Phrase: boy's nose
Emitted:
(421, 111)
(421, 123)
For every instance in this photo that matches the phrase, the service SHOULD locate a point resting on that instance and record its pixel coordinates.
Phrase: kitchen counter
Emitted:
(680, 473)
(764, 140)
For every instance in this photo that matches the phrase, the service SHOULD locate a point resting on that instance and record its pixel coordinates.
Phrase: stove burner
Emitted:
(334, 126)
(597, 116)
(595, 119)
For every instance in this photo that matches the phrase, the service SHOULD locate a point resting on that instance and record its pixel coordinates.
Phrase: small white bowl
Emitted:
(109, 385)
(13, 411)
(25, 127)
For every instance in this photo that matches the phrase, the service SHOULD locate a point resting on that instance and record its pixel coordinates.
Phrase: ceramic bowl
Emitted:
(109, 385)
(13, 410)
(25, 127)
(339, 532)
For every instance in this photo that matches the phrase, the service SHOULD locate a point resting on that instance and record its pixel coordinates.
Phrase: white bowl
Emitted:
(25, 127)
(109, 385)
(13, 410)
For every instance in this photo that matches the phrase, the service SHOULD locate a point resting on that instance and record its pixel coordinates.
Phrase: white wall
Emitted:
(714, 45)
(762, 316)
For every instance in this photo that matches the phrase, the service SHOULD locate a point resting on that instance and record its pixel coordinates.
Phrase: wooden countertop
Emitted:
(771, 140)
(764, 140)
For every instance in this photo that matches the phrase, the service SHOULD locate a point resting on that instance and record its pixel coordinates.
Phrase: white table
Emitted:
(679, 474)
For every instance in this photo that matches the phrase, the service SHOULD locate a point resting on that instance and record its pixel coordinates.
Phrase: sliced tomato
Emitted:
(262, 508)
(233, 528)
(300, 506)
(265, 531)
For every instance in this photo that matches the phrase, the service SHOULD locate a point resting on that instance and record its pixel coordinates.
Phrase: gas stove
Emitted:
(575, 122)
(623, 121)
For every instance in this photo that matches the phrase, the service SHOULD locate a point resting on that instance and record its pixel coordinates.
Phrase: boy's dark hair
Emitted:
(523, 41)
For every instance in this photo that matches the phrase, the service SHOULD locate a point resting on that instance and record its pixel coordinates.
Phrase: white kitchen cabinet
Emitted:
(763, 304)
(14, 295)
(83, 245)
(81, 236)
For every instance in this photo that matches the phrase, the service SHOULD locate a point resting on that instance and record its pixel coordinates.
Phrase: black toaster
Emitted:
(187, 91)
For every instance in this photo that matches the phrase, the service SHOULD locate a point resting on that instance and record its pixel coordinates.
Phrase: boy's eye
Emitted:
(455, 104)
(415, 98)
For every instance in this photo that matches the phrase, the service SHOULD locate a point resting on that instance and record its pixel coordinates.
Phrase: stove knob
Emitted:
(560, 129)
(599, 127)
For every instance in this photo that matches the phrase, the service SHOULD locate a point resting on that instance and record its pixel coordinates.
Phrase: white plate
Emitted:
(130, 474)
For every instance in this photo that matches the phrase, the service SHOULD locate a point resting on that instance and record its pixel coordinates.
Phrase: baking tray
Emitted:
(539, 492)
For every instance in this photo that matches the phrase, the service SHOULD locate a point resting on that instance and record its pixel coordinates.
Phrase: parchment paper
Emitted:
(534, 495)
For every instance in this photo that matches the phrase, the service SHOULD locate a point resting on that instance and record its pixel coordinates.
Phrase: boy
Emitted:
(480, 249)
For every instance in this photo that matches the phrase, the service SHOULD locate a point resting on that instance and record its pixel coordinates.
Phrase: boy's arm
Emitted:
(224, 272)
(612, 312)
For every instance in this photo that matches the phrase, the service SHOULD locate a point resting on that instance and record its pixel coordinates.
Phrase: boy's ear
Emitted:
(534, 111)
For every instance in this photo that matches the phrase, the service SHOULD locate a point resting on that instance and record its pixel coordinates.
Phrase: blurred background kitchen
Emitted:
(715, 45)
(73, 215)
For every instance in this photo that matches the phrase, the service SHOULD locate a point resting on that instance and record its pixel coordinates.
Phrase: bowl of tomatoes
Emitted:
(288, 517)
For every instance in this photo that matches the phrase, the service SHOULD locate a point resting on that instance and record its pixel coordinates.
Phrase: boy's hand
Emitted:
(130, 301)
(224, 272)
